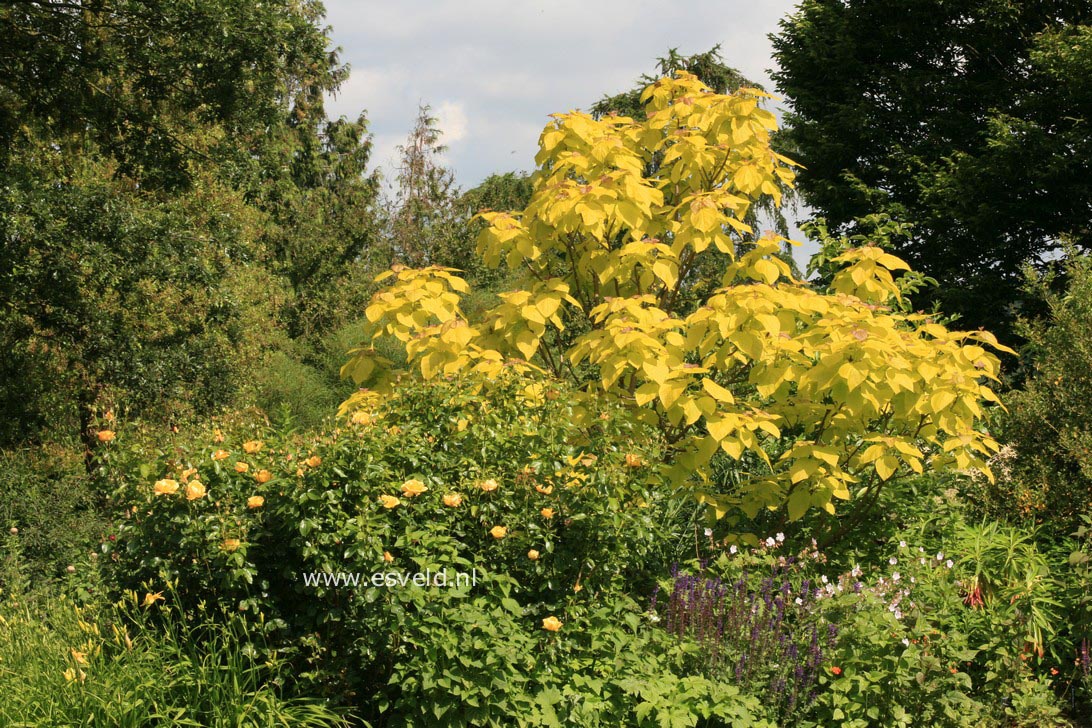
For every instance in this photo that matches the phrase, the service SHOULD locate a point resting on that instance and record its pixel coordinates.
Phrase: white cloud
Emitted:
(493, 70)
(452, 121)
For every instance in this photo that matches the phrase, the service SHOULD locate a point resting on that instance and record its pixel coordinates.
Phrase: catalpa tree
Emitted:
(827, 394)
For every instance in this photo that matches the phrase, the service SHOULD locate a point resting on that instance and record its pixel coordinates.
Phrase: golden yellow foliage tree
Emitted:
(834, 392)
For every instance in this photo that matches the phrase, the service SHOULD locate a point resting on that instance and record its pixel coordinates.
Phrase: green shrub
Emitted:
(47, 496)
(1047, 471)
(548, 518)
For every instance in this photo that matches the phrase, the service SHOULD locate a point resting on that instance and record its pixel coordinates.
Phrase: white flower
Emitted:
(856, 571)
(770, 541)
(906, 641)
(892, 561)
(898, 614)
(798, 601)
(949, 563)
(922, 561)
(654, 618)
(913, 580)
(896, 576)
(823, 578)
(940, 556)
(902, 544)
(709, 532)
(780, 537)
(733, 549)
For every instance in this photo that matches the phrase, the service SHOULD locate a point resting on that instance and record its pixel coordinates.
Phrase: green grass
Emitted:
(129, 665)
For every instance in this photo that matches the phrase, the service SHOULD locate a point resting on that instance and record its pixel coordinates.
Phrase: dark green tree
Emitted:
(708, 66)
(968, 119)
(174, 201)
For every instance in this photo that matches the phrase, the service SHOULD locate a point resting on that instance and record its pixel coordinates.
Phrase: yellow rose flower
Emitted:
(166, 486)
(263, 476)
(633, 461)
(498, 532)
(552, 624)
(241, 467)
(532, 555)
(194, 490)
(217, 436)
(413, 488)
(188, 473)
(389, 501)
(313, 462)
(362, 418)
(230, 544)
(220, 454)
(547, 512)
(387, 557)
(255, 501)
(252, 446)
(106, 435)
(299, 472)
(453, 500)
(544, 489)
(488, 485)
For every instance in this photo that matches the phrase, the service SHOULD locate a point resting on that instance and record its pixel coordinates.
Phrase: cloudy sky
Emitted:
(493, 71)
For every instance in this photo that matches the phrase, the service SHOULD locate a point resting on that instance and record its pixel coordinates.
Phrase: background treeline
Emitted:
(184, 229)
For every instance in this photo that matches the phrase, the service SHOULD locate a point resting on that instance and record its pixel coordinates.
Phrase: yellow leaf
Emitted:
(767, 271)
(886, 467)
(666, 270)
(940, 399)
(718, 392)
